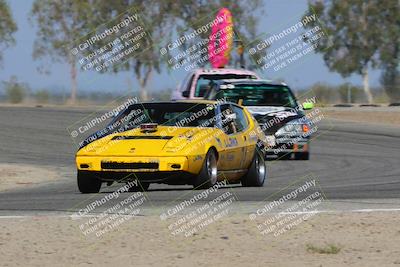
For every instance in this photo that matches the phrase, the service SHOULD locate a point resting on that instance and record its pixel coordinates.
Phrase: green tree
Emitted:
(390, 80)
(165, 20)
(63, 22)
(324, 93)
(58, 23)
(15, 90)
(354, 30)
(245, 14)
(348, 93)
(156, 17)
(7, 27)
(390, 49)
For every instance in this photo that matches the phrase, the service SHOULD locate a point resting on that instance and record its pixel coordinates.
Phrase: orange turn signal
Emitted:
(305, 128)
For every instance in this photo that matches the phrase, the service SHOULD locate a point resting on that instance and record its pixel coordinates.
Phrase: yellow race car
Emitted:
(184, 142)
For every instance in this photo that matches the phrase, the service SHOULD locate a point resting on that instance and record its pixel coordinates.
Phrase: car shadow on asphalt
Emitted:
(177, 189)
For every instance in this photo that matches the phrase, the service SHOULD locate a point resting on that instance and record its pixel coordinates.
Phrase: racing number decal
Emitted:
(232, 142)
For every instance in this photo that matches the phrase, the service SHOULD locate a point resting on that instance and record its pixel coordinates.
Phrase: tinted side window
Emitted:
(187, 84)
(202, 86)
(212, 92)
(241, 120)
(228, 123)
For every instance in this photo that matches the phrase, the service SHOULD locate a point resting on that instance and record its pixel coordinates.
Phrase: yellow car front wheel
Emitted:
(87, 183)
(209, 172)
(257, 172)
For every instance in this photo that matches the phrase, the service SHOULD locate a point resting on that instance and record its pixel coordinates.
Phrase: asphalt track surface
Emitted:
(350, 161)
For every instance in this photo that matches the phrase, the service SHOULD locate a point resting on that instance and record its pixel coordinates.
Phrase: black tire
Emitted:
(209, 174)
(87, 183)
(302, 156)
(257, 173)
(141, 187)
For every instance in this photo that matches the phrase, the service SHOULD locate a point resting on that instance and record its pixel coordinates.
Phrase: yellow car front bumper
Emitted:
(138, 164)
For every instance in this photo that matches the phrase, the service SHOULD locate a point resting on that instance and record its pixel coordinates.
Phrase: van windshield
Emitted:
(258, 95)
(205, 81)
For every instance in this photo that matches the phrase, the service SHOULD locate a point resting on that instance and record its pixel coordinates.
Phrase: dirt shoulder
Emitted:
(15, 176)
(379, 115)
(342, 239)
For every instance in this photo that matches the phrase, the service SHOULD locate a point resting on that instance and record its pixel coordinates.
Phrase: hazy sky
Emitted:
(18, 59)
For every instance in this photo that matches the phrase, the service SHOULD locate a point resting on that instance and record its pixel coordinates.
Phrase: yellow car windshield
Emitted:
(167, 114)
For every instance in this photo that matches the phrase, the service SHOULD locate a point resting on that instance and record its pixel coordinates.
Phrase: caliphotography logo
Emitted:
(204, 133)
(190, 216)
(295, 205)
(95, 224)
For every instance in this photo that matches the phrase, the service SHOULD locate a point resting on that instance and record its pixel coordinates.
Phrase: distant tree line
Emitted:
(61, 22)
(14, 91)
(361, 34)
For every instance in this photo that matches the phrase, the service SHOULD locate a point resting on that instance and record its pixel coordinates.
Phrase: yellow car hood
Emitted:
(165, 140)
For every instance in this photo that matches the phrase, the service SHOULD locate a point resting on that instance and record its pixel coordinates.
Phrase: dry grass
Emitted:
(328, 249)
